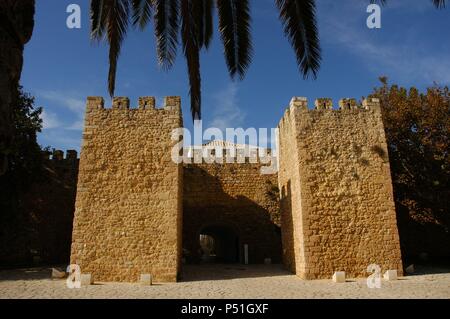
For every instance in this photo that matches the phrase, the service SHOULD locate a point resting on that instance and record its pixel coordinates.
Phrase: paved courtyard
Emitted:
(228, 281)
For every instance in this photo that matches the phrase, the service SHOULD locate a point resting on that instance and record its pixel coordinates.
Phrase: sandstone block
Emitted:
(390, 275)
(86, 280)
(339, 277)
(145, 280)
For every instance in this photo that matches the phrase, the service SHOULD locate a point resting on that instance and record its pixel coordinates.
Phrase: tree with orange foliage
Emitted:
(418, 134)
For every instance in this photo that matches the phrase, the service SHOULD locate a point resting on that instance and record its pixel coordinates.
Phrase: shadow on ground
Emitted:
(207, 272)
(26, 274)
(429, 270)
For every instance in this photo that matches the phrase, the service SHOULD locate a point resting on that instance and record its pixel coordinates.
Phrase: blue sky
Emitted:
(62, 66)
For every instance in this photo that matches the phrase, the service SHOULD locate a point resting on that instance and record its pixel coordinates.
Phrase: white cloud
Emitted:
(227, 113)
(77, 126)
(410, 60)
(49, 120)
(60, 140)
(65, 100)
(62, 118)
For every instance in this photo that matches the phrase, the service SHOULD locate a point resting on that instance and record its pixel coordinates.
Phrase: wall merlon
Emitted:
(323, 104)
(299, 102)
(95, 103)
(121, 103)
(172, 103)
(348, 104)
(147, 103)
(46, 155)
(71, 155)
(58, 155)
(371, 104)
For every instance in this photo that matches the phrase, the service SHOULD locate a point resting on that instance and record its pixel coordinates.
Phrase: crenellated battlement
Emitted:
(171, 103)
(58, 155)
(325, 105)
(226, 153)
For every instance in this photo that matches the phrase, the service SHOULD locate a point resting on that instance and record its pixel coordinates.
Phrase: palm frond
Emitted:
(98, 12)
(439, 3)
(142, 12)
(381, 2)
(208, 10)
(116, 22)
(190, 35)
(166, 31)
(234, 27)
(245, 47)
(299, 20)
(198, 15)
(202, 13)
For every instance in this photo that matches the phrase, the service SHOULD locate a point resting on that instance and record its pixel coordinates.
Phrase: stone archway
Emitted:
(219, 243)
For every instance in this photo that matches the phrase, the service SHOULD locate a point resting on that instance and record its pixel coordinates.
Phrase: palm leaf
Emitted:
(142, 12)
(245, 48)
(203, 17)
(198, 17)
(190, 35)
(439, 3)
(98, 13)
(117, 24)
(208, 9)
(166, 31)
(110, 18)
(299, 20)
(234, 27)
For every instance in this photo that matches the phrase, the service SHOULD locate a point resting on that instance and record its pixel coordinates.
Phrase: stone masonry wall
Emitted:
(290, 200)
(237, 196)
(337, 204)
(128, 213)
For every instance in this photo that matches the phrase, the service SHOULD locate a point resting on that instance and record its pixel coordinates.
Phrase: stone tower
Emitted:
(128, 213)
(337, 206)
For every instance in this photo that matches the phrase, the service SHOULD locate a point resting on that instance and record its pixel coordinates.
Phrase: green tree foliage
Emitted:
(25, 160)
(24, 168)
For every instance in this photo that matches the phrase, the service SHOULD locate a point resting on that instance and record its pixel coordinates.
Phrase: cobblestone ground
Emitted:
(223, 281)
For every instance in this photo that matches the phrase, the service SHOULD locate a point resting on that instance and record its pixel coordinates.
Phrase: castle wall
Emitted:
(290, 199)
(336, 190)
(38, 230)
(237, 196)
(128, 213)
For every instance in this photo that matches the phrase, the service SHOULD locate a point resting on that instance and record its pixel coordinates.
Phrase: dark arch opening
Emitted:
(219, 244)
